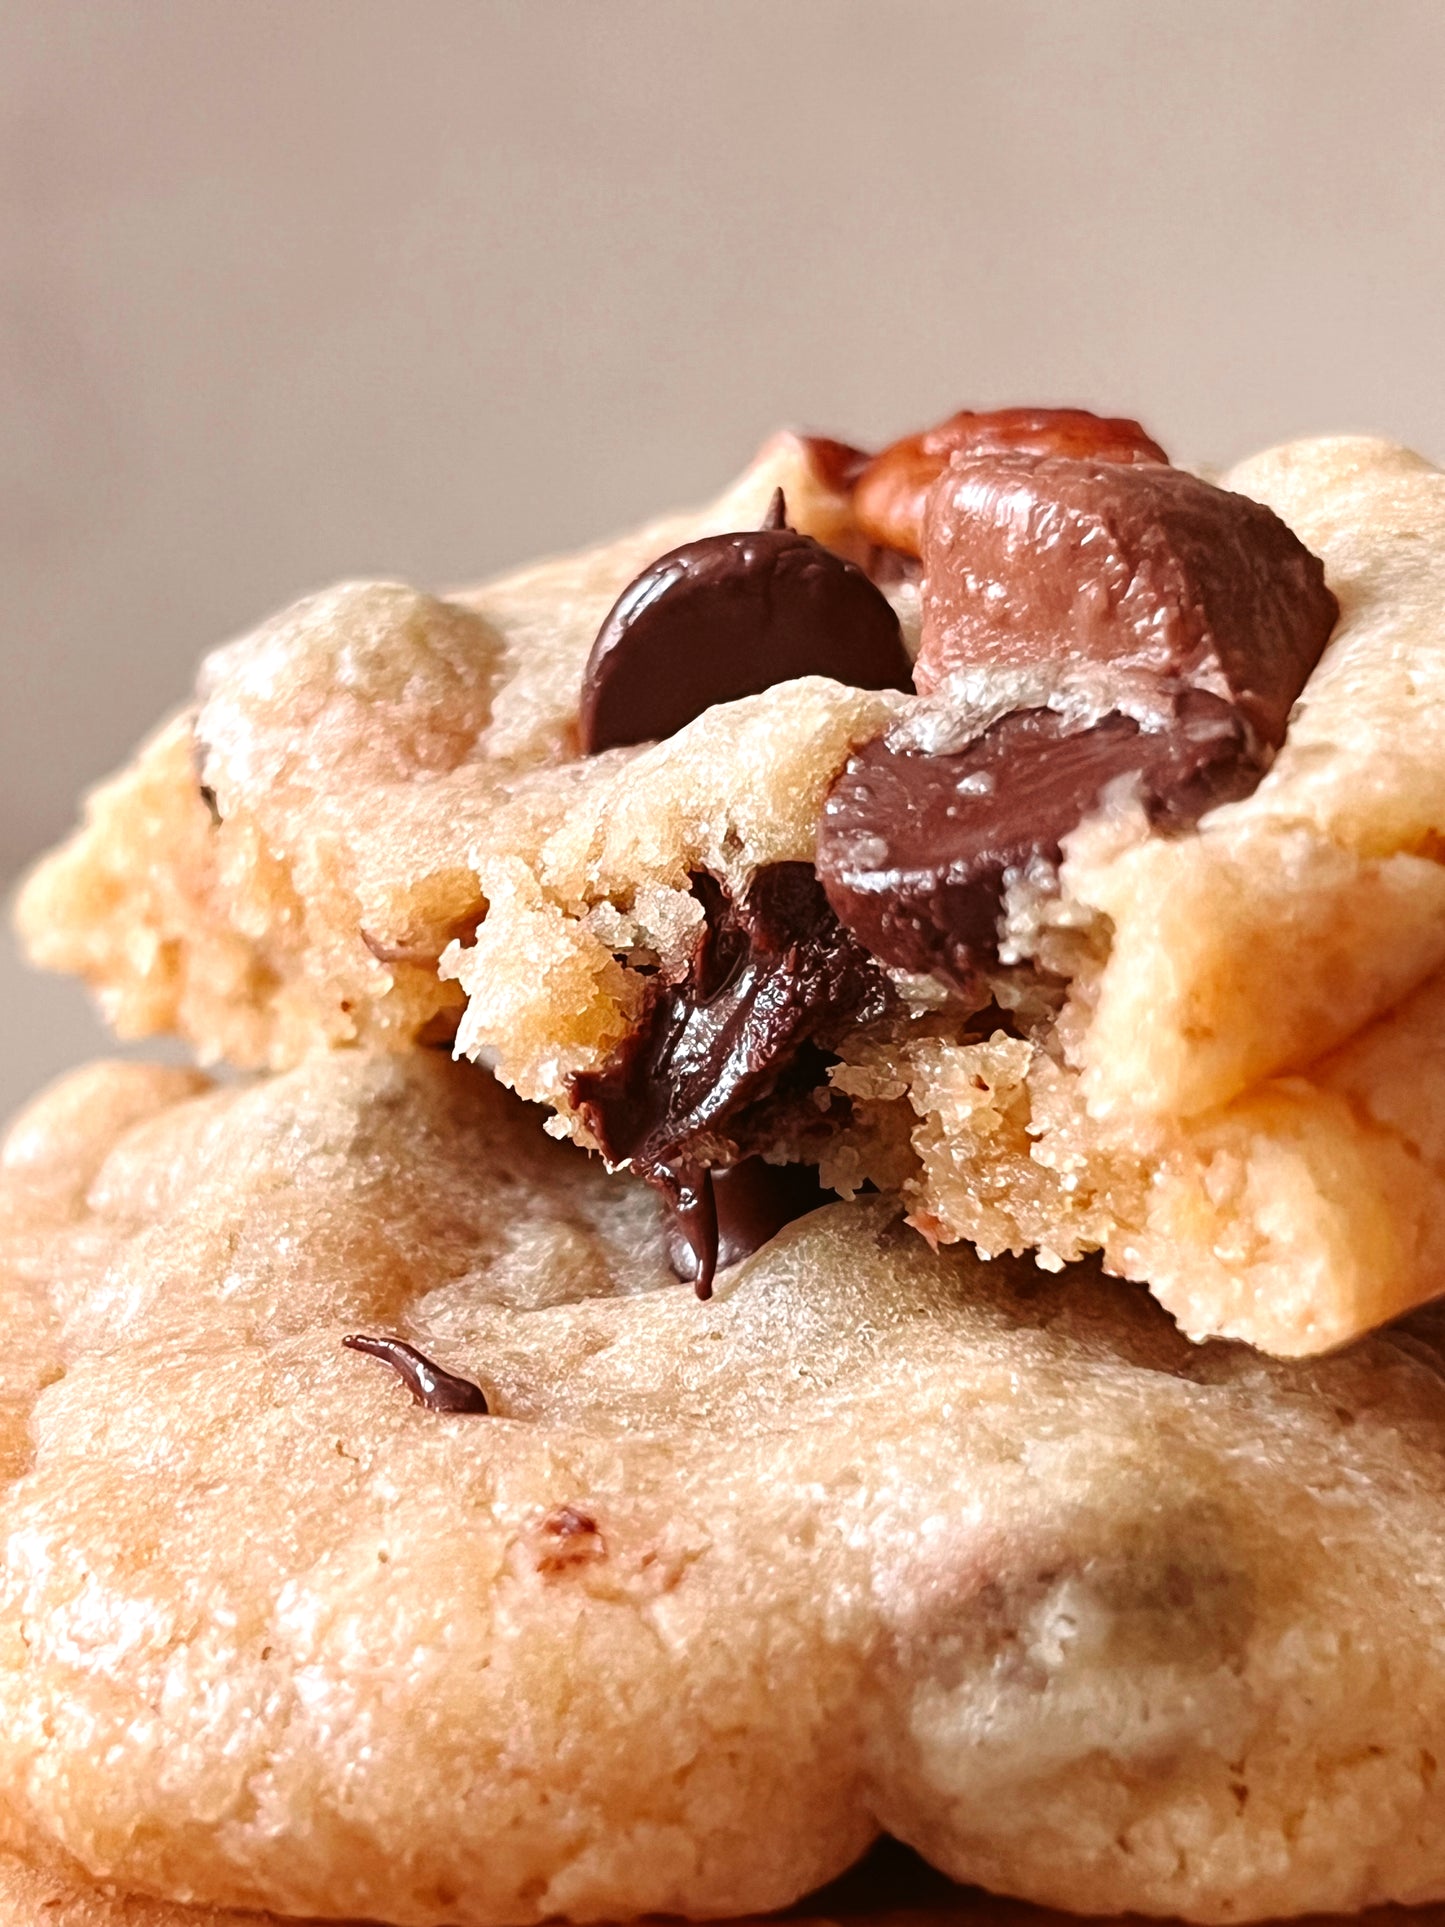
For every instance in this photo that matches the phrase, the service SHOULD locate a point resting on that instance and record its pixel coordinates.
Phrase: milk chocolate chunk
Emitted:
(428, 1384)
(773, 981)
(916, 851)
(891, 491)
(1047, 558)
(752, 1201)
(729, 616)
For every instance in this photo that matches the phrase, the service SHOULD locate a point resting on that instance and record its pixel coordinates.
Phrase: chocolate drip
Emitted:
(428, 1384)
(689, 1191)
(773, 981)
(752, 1201)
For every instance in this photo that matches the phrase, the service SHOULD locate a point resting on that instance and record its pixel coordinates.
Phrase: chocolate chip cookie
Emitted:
(1113, 923)
(564, 1594)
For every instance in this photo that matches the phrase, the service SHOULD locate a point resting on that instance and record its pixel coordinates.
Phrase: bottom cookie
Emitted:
(891, 1888)
(671, 1607)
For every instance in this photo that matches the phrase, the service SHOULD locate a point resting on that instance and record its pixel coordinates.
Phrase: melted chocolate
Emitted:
(1032, 559)
(752, 1201)
(916, 851)
(772, 981)
(891, 491)
(428, 1384)
(729, 616)
(692, 1223)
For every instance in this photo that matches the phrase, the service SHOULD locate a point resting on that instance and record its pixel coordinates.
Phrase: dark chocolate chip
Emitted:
(752, 1201)
(891, 492)
(428, 1384)
(773, 980)
(729, 616)
(916, 850)
(1032, 559)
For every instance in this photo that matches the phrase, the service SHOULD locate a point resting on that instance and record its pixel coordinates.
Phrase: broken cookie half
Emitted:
(1117, 924)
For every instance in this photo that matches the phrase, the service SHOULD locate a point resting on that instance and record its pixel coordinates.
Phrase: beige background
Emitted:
(298, 288)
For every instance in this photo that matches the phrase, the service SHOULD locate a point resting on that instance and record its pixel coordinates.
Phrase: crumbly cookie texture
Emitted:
(881, 1538)
(1222, 1066)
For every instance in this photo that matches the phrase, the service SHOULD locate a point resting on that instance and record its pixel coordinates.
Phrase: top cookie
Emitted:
(1117, 945)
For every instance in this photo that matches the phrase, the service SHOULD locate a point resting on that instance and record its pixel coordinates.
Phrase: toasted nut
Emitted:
(892, 489)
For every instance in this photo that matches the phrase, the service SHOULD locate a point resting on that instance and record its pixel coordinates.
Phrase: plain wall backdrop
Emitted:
(294, 289)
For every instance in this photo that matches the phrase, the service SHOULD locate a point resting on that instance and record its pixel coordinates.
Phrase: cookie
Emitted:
(889, 1890)
(1121, 933)
(32, 1898)
(681, 1604)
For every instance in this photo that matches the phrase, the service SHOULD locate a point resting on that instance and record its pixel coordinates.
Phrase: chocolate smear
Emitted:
(891, 491)
(752, 1201)
(916, 851)
(773, 980)
(1143, 568)
(730, 616)
(428, 1384)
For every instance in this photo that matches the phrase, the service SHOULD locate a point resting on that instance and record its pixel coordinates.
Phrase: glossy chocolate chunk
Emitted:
(773, 981)
(428, 1384)
(916, 851)
(729, 616)
(891, 491)
(752, 1201)
(1032, 558)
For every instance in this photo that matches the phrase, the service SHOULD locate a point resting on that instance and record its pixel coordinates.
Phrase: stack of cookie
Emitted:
(977, 913)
